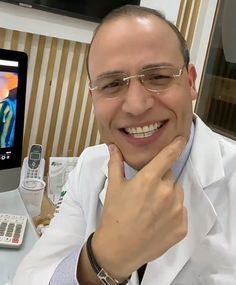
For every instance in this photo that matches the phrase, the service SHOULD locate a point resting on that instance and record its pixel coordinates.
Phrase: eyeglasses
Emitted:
(154, 79)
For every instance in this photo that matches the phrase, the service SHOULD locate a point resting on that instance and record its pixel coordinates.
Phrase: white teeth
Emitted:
(152, 128)
(145, 131)
(139, 130)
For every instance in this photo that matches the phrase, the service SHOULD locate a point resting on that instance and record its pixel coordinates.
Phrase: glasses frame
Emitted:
(140, 76)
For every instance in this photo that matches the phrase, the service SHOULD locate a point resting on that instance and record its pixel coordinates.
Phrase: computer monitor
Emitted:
(13, 74)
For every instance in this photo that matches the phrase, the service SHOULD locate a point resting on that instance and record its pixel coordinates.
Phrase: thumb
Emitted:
(115, 166)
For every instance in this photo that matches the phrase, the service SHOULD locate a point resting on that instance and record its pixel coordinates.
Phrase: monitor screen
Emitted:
(13, 74)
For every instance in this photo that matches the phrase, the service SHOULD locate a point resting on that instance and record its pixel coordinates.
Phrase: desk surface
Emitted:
(11, 202)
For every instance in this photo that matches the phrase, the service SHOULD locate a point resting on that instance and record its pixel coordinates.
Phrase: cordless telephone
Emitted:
(33, 165)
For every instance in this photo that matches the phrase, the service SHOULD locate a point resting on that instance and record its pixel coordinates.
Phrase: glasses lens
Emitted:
(110, 85)
(158, 79)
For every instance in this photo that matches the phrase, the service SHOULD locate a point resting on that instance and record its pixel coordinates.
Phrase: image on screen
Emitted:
(13, 79)
(8, 93)
(8, 106)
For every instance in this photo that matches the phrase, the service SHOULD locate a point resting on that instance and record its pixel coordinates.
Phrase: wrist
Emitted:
(109, 260)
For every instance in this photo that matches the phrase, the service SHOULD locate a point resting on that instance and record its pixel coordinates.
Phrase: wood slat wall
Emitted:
(187, 18)
(59, 112)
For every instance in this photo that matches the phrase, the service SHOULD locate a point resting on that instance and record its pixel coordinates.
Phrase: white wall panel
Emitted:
(170, 8)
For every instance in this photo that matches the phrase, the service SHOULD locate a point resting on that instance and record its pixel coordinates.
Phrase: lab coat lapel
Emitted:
(102, 194)
(195, 178)
(201, 218)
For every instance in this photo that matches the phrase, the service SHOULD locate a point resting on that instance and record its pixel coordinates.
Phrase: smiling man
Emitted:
(155, 204)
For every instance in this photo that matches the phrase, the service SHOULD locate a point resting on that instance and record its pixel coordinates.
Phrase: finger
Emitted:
(115, 166)
(165, 159)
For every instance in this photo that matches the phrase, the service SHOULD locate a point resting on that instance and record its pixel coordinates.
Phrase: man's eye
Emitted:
(112, 86)
(158, 78)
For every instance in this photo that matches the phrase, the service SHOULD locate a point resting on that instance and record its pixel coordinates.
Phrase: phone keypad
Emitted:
(12, 228)
(32, 173)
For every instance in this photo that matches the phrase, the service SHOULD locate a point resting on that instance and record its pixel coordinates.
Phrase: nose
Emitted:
(137, 99)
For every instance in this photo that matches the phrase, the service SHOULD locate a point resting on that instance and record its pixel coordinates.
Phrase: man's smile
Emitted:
(144, 131)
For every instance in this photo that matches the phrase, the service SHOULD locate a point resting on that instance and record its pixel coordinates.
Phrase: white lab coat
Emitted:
(205, 256)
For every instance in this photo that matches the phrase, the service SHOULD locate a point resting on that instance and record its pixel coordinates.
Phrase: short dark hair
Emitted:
(140, 11)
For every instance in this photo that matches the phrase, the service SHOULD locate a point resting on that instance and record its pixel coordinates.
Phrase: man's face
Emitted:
(128, 45)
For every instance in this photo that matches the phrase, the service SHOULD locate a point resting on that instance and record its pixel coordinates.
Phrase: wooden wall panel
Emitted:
(187, 18)
(33, 95)
(2, 37)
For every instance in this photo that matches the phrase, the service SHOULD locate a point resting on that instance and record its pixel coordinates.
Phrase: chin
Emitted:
(137, 164)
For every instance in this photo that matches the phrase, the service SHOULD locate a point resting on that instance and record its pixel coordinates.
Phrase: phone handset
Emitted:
(33, 165)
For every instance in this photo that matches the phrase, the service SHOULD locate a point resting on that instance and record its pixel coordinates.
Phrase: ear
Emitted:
(192, 74)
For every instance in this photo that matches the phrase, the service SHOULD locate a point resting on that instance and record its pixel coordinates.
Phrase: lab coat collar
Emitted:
(103, 192)
(206, 155)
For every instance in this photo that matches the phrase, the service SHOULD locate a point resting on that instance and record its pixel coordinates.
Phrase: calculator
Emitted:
(12, 229)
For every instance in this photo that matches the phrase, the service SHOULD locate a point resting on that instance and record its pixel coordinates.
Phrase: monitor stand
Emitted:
(9, 179)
